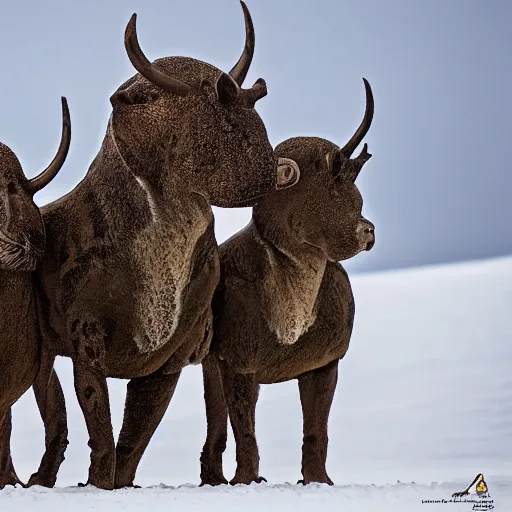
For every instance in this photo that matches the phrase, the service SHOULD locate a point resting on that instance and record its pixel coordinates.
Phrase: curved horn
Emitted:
(144, 67)
(356, 139)
(240, 69)
(39, 182)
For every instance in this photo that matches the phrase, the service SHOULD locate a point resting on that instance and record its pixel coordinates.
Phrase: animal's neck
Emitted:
(141, 195)
(163, 251)
(291, 285)
(161, 225)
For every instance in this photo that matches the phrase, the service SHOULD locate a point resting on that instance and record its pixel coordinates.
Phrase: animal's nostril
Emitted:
(369, 231)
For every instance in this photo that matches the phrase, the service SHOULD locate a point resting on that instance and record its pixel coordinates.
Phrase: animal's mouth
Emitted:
(20, 256)
(369, 245)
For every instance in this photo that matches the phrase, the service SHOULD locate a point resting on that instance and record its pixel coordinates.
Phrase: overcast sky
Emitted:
(439, 184)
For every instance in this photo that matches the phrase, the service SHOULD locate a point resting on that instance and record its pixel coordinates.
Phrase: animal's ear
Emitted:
(208, 89)
(227, 89)
(288, 173)
(138, 93)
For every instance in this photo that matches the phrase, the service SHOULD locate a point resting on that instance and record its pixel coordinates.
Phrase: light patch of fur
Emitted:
(16, 256)
(163, 255)
(289, 295)
(151, 200)
(328, 158)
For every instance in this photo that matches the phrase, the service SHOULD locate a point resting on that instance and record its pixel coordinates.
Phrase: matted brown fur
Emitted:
(132, 261)
(22, 244)
(284, 309)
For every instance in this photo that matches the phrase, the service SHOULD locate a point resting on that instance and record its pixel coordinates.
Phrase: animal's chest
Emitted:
(289, 300)
(163, 261)
(336, 309)
(326, 340)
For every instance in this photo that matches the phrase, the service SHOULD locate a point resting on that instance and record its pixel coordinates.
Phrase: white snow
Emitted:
(424, 398)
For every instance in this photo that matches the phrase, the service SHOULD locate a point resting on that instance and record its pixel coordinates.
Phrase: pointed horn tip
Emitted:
(131, 28)
(249, 26)
(65, 111)
(368, 88)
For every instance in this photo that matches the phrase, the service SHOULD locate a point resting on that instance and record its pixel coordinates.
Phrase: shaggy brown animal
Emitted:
(132, 261)
(284, 309)
(22, 244)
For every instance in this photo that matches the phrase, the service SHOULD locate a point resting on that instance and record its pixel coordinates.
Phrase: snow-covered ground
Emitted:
(424, 404)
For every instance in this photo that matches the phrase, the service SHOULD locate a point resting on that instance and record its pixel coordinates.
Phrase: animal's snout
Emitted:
(288, 173)
(366, 234)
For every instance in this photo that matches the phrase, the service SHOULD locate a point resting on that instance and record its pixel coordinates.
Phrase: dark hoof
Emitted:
(213, 482)
(97, 485)
(328, 481)
(128, 486)
(13, 482)
(248, 481)
(37, 479)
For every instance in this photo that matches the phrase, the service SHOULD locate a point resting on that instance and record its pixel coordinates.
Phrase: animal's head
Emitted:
(188, 117)
(22, 235)
(324, 209)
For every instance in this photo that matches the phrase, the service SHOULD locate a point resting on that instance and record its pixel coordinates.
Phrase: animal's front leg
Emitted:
(241, 391)
(7, 474)
(52, 407)
(217, 424)
(147, 399)
(316, 394)
(92, 393)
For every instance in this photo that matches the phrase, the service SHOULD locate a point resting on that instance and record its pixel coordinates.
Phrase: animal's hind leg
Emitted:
(316, 394)
(241, 392)
(52, 407)
(8, 475)
(147, 399)
(91, 389)
(217, 424)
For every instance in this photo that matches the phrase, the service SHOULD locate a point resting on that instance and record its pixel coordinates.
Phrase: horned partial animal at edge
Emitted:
(132, 261)
(22, 245)
(284, 308)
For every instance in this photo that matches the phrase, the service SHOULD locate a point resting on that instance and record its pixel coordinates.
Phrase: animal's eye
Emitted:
(11, 188)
